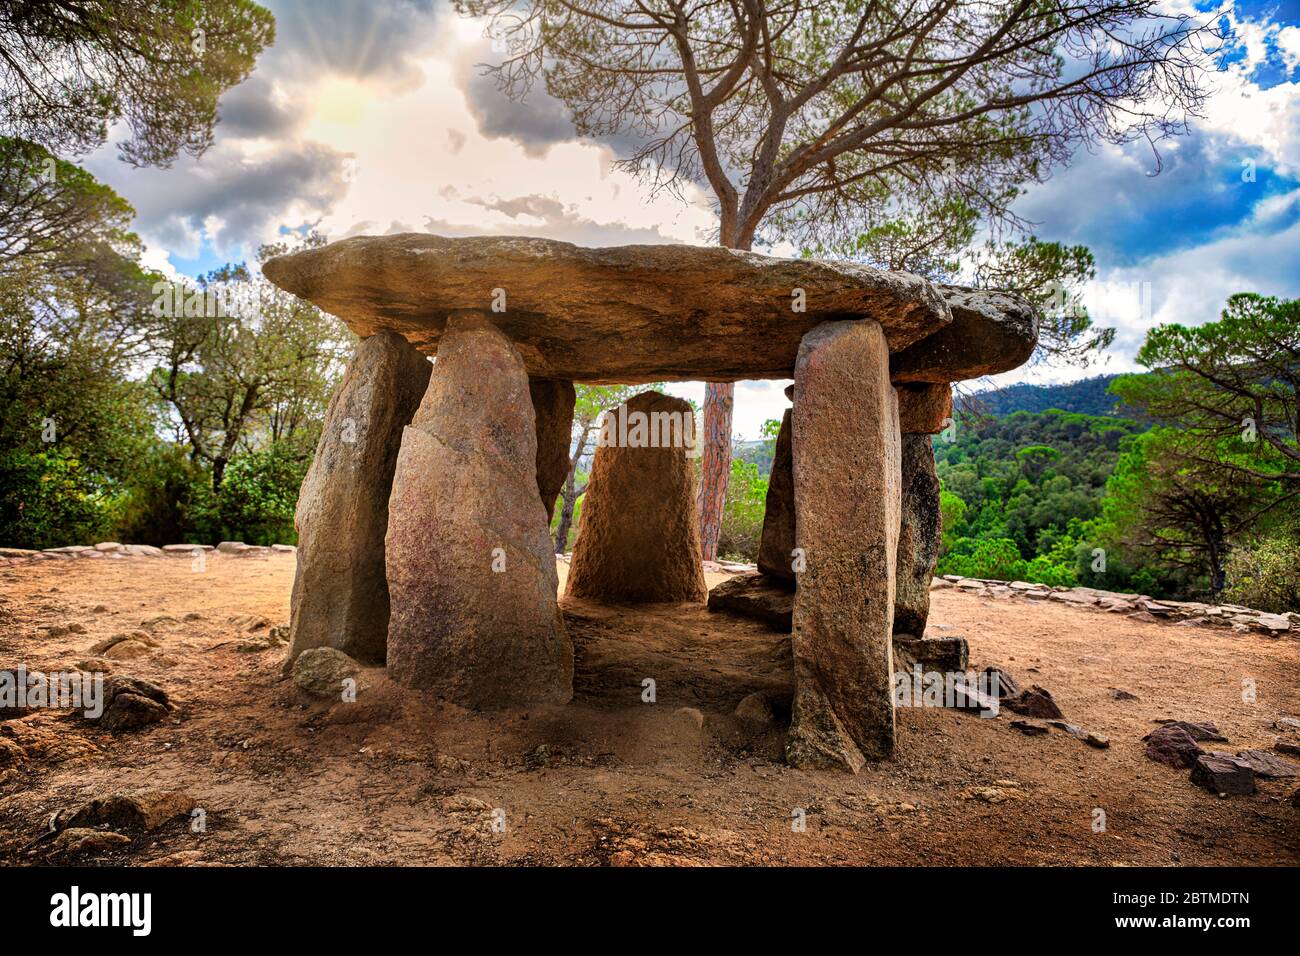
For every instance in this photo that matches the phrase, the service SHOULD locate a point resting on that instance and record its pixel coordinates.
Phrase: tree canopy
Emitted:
(70, 70)
(816, 114)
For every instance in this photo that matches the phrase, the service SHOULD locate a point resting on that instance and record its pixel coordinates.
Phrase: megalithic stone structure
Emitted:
(847, 491)
(471, 572)
(340, 592)
(468, 563)
(638, 540)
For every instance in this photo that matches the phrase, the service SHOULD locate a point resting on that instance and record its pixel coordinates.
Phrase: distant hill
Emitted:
(1086, 397)
(759, 452)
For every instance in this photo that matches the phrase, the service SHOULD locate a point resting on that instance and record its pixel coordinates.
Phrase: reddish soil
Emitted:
(609, 779)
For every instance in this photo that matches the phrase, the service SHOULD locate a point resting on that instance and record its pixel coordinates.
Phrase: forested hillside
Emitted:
(1089, 396)
(1021, 491)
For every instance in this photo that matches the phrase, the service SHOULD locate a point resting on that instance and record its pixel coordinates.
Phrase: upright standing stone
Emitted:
(340, 595)
(776, 544)
(553, 402)
(471, 573)
(919, 535)
(847, 504)
(638, 540)
(924, 409)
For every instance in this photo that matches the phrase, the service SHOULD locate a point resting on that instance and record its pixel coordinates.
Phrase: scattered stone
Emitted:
(1029, 728)
(130, 712)
(284, 549)
(1034, 701)
(124, 684)
(991, 794)
(1202, 731)
(756, 596)
(946, 654)
(1100, 741)
(131, 703)
(108, 546)
(449, 763)
(75, 840)
(1287, 723)
(1118, 694)
(126, 650)
(1286, 747)
(967, 696)
(638, 537)
(1001, 679)
(1069, 728)
(1223, 774)
(140, 637)
(139, 810)
(180, 858)
(690, 715)
(464, 803)
(44, 738)
(756, 710)
(11, 754)
(321, 671)
(1268, 765)
(1172, 746)
(232, 547)
(185, 549)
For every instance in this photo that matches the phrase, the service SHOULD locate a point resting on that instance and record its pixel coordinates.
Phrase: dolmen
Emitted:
(423, 520)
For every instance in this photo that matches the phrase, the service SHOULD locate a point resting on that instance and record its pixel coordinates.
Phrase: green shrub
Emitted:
(49, 500)
(742, 515)
(1266, 575)
(255, 502)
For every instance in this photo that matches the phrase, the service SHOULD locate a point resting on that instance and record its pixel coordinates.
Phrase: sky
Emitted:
(374, 117)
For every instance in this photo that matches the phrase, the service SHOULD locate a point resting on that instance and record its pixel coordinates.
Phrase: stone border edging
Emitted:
(115, 551)
(1183, 613)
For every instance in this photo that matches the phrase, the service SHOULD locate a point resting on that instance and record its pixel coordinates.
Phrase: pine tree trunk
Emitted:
(715, 465)
(569, 497)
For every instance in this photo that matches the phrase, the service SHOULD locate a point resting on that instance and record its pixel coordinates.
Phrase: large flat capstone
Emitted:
(623, 314)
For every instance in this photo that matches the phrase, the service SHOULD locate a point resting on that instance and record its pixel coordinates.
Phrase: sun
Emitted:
(341, 105)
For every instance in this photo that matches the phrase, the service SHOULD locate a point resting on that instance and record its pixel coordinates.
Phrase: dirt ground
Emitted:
(609, 779)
